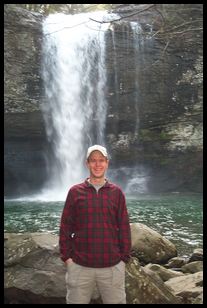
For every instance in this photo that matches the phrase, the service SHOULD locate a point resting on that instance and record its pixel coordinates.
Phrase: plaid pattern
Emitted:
(94, 228)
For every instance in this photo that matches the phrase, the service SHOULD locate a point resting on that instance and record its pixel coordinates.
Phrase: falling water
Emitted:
(75, 107)
(137, 41)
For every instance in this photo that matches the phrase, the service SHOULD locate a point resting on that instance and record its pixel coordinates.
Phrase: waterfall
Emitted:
(137, 41)
(75, 90)
(74, 109)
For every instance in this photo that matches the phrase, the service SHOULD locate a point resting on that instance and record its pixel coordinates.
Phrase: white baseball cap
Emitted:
(99, 148)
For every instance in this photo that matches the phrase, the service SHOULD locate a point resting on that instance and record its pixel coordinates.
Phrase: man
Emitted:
(95, 237)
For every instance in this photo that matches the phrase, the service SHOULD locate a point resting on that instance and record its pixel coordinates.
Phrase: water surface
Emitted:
(177, 217)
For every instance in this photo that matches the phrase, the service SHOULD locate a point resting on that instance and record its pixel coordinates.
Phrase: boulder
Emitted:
(150, 246)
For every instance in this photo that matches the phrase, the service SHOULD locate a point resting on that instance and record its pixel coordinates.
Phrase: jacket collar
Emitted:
(88, 184)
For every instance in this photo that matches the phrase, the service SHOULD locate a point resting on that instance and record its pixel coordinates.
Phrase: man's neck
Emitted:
(97, 181)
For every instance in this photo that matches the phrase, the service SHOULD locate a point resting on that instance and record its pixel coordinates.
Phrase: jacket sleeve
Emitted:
(124, 229)
(67, 228)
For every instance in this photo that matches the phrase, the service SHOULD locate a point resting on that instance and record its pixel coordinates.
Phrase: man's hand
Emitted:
(69, 261)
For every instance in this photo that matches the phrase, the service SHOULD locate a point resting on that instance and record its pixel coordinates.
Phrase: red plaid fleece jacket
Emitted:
(94, 228)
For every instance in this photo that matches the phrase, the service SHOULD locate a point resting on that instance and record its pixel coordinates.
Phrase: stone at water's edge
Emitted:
(142, 289)
(149, 246)
(31, 259)
(34, 273)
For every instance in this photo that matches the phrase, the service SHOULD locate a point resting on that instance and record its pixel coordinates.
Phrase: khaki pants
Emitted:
(81, 282)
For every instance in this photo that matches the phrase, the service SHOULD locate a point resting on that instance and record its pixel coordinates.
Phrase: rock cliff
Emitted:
(154, 97)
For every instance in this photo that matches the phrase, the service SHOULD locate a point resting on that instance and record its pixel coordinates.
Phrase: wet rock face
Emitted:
(25, 148)
(154, 97)
(155, 108)
(25, 140)
(23, 39)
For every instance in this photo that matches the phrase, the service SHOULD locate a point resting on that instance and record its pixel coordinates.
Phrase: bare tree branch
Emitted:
(123, 17)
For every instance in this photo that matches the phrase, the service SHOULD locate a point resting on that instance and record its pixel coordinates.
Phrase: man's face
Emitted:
(97, 164)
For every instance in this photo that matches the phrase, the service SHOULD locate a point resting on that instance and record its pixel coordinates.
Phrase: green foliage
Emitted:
(153, 135)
